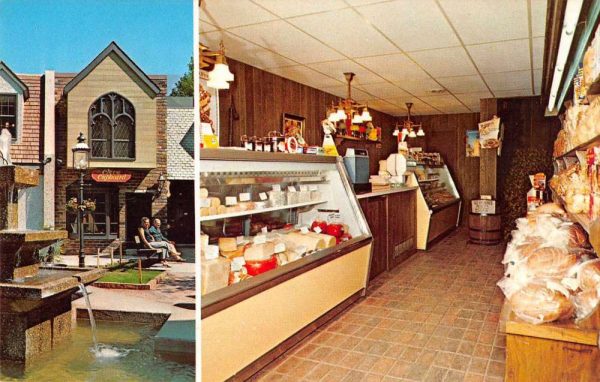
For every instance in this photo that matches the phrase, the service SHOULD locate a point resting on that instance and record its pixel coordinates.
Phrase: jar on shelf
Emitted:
(258, 144)
(267, 144)
(247, 143)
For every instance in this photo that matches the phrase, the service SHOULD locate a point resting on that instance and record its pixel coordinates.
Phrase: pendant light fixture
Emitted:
(220, 75)
(349, 108)
(409, 126)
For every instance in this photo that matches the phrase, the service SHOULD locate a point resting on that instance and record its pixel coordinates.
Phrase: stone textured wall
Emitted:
(180, 164)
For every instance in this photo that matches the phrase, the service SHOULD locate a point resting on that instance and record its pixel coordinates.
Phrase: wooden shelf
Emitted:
(584, 146)
(259, 211)
(351, 138)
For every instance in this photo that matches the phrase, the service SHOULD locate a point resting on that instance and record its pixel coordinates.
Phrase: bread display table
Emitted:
(558, 351)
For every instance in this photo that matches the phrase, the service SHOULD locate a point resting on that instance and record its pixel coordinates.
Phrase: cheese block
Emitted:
(238, 252)
(232, 209)
(328, 240)
(203, 241)
(214, 274)
(227, 244)
(259, 252)
(246, 206)
(311, 242)
(203, 193)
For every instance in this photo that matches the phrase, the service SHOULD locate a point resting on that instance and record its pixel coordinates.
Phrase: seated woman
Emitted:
(159, 236)
(150, 242)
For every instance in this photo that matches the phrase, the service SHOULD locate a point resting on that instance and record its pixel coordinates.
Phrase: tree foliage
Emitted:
(185, 86)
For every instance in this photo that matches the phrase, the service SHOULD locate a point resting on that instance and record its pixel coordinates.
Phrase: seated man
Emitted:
(150, 242)
(160, 237)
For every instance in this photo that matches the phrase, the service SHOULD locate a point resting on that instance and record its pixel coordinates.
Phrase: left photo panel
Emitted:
(97, 265)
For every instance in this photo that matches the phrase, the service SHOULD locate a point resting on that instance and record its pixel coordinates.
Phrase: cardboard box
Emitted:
(481, 206)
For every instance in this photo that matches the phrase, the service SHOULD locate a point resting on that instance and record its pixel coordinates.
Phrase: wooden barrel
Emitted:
(485, 229)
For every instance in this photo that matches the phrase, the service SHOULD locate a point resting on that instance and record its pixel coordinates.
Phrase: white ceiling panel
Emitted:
(288, 41)
(394, 67)
(419, 87)
(384, 90)
(454, 109)
(472, 99)
(416, 25)
(304, 75)
(297, 8)
(419, 107)
(342, 92)
(363, 2)
(244, 51)
(480, 21)
(227, 13)
(346, 31)
(501, 56)
(386, 107)
(445, 62)
(438, 101)
(509, 80)
(538, 17)
(207, 27)
(513, 93)
(538, 53)
(463, 84)
(537, 81)
(336, 69)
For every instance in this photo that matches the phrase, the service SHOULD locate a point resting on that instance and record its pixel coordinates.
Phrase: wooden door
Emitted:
(402, 220)
(375, 212)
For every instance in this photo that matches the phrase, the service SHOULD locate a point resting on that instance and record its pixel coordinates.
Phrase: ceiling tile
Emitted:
(298, 8)
(289, 42)
(419, 87)
(473, 99)
(538, 17)
(475, 108)
(445, 62)
(509, 80)
(386, 107)
(409, 25)
(438, 101)
(304, 75)
(363, 2)
(479, 21)
(227, 13)
(393, 67)
(463, 84)
(501, 56)
(454, 109)
(538, 53)
(384, 90)
(346, 31)
(207, 27)
(336, 69)
(419, 107)
(513, 93)
(244, 51)
(342, 92)
(537, 81)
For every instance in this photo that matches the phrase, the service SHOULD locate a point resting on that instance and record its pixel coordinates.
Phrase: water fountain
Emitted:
(35, 301)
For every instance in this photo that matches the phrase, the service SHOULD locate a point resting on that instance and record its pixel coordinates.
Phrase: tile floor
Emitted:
(433, 318)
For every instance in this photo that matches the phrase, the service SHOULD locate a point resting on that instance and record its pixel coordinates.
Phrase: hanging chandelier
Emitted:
(349, 109)
(220, 76)
(409, 128)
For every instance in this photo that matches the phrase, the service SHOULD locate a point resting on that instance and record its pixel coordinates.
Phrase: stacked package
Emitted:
(573, 186)
(551, 272)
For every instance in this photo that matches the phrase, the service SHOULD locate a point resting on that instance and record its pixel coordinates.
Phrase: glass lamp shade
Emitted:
(217, 84)
(396, 133)
(412, 134)
(341, 114)
(357, 119)
(420, 133)
(81, 154)
(405, 131)
(220, 73)
(366, 116)
(333, 117)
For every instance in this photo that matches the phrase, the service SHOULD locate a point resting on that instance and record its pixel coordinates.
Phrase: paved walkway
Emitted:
(433, 318)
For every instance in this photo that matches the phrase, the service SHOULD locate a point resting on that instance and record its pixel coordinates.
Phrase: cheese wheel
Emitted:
(204, 211)
(589, 275)
(551, 262)
(311, 242)
(328, 240)
(215, 202)
(535, 303)
(212, 210)
(203, 193)
(221, 210)
(227, 244)
(259, 252)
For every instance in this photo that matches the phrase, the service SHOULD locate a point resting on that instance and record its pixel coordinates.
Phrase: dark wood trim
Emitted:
(257, 156)
(448, 204)
(247, 372)
(441, 236)
(224, 298)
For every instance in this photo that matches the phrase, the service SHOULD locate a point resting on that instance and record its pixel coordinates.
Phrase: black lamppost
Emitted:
(81, 156)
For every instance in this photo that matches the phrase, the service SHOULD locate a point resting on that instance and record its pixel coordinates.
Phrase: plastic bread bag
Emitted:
(586, 302)
(541, 301)
(588, 275)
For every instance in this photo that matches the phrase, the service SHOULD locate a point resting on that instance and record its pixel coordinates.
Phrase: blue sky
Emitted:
(65, 35)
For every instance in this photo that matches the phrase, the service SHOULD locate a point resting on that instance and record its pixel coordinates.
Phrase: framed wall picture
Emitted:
(293, 126)
(472, 143)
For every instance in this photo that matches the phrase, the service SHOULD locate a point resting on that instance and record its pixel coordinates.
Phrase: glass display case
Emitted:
(438, 201)
(284, 230)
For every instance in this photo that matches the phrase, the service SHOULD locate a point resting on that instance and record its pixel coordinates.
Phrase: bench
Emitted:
(143, 251)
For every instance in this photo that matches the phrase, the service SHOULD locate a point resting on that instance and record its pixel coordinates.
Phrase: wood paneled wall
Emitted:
(261, 98)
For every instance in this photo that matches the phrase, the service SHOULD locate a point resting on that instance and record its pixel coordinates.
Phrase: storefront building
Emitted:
(123, 114)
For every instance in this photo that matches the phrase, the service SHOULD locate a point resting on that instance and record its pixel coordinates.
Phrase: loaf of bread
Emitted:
(527, 249)
(535, 303)
(589, 275)
(259, 252)
(550, 262)
(586, 302)
(578, 237)
(550, 208)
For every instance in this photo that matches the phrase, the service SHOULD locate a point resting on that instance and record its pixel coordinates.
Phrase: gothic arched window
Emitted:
(112, 127)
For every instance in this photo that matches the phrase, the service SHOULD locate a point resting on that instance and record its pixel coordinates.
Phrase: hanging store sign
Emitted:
(111, 176)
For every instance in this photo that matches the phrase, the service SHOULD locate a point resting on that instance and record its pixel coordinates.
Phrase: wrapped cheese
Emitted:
(227, 244)
(311, 242)
(536, 303)
(259, 252)
(589, 275)
(214, 274)
(328, 240)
